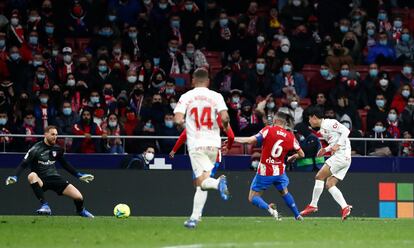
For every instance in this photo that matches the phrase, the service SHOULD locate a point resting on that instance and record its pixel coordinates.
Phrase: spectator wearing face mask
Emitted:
(193, 59)
(401, 97)
(167, 128)
(104, 37)
(223, 34)
(303, 48)
(378, 111)
(40, 82)
(227, 80)
(101, 75)
(341, 29)
(189, 13)
(66, 119)
(337, 56)
(67, 67)
(346, 107)
(154, 109)
(293, 108)
(169, 90)
(406, 76)
(350, 41)
(322, 82)
(407, 116)
(171, 59)
(77, 21)
(28, 127)
(18, 70)
(44, 112)
(310, 145)
(146, 127)
(393, 123)
(358, 147)
(407, 146)
(6, 127)
(87, 127)
(290, 82)
(248, 122)
(266, 109)
(140, 161)
(383, 52)
(113, 128)
(379, 147)
(404, 48)
(259, 80)
(15, 30)
(295, 13)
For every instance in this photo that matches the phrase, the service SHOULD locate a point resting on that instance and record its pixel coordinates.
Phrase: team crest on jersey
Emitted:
(54, 153)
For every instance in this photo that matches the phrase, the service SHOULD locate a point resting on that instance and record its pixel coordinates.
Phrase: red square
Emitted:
(387, 192)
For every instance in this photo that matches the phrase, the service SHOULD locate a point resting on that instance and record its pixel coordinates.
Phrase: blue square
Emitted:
(387, 209)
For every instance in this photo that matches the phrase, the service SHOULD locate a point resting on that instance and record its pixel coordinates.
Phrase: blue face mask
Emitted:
(41, 76)
(398, 24)
(189, 7)
(132, 35)
(33, 40)
(3, 121)
(149, 125)
(111, 18)
(407, 70)
(94, 99)
(173, 49)
(2, 43)
(49, 30)
(344, 29)
(102, 68)
(378, 129)
(67, 111)
(260, 67)
(373, 72)
(43, 100)
(344, 72)
(106, 33)
(405, 37)
(163, 5)
(287, 68)
(15, 56)
(380, 103)
(371, 32)
(37, 63)
(382, 16)
(169, 124)
(383, 42)
(224, 22)
(324, 72)
(175, 24)
(169, 91)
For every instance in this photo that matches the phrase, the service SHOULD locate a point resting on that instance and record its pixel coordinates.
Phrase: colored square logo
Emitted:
(387, 192)
(387, 209)
(405, 192)
(405, 209)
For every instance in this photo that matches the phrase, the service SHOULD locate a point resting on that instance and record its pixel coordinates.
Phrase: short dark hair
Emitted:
(50, 127)
(316, 111)
(200, 73)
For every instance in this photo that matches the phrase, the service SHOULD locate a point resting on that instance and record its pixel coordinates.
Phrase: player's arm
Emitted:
(28, 158)
(69, 168)
(299, 152)
(181, 140)
(246, 140)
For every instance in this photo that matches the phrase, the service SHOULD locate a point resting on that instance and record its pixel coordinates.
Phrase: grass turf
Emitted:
(62, 231)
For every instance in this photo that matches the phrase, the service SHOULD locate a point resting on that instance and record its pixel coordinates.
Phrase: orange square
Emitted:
(387, 192)
(405, 210)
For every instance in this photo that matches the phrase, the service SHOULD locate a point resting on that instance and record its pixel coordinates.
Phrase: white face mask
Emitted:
(126, 62)
(70, 82)
(347, 125)
(173, 105)
(392, 117)
(285, 48)
(98, 121)
(294, 104)
(112, 123)
(149, 156)
(132, 79)
(383, 82)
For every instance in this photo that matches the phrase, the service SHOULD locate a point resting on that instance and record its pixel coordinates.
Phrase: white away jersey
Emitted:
(335, 133)
(201, 107)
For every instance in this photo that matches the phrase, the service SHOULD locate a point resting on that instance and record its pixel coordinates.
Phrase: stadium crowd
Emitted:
(118, 67)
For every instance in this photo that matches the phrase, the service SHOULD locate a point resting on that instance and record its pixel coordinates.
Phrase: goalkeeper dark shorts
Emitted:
(54, 183)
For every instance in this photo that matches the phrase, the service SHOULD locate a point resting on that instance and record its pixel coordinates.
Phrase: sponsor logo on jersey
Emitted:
(48, 162)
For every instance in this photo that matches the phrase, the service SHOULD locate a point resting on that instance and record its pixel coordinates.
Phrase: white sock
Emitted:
(200, 198)
(317, 192)
(210, 183)
(337, 195)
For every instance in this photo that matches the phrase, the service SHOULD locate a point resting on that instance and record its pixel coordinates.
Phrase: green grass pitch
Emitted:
(61, 231)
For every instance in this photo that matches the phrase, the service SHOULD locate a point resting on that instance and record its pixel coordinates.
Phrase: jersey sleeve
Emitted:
(296, 145)
(30, 156)
(221, 105)
(261, 135)
(181, 105)
(181, 140)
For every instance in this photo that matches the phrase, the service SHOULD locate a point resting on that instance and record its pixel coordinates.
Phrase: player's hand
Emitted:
(292, 158)
(335, 148)
(172, 153)
(321, 152)
(224, 148)
(87, 178)
(11, 180)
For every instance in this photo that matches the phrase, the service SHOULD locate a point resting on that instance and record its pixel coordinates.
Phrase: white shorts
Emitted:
(339, 165)
(203, 159)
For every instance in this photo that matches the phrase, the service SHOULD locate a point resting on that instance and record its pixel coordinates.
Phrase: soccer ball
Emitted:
(122, 211)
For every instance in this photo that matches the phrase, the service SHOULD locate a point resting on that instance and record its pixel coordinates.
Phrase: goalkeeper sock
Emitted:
(290, 202)
(210, 183)
(38, 191)
(259, 202)
(200, 198)
(79, 205)
(337, 195)
(317, 192)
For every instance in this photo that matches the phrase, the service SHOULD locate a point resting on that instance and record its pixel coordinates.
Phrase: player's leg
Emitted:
(338, 196)
(281, 185)
(260, 184)
(320, 177)
(36, 184)
(72, 192)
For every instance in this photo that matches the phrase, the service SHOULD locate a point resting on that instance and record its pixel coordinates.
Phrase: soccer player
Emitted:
(336, 167)
(276, 143)
(199, 108)
(43, 176)
(200, 196)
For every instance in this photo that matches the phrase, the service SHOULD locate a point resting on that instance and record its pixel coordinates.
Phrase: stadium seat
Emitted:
(305, 102)
(391, 69)
(70, 42)
(82, 44)
(311, 67)
(363, 115)
(236, 149)
(182, 81)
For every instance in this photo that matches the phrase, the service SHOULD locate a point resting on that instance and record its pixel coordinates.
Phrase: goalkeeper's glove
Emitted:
(87, 178)
(11, 180)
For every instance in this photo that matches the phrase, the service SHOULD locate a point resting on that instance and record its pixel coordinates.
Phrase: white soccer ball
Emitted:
(122, 211)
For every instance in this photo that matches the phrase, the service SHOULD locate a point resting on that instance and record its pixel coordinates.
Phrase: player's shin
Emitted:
(78, 205)
(200, 198)
(38, 192)
(260, 203)
(337, 195)
(317, 192)
(290, 202)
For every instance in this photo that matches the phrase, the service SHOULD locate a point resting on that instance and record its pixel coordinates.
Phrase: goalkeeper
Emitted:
(43, 176)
